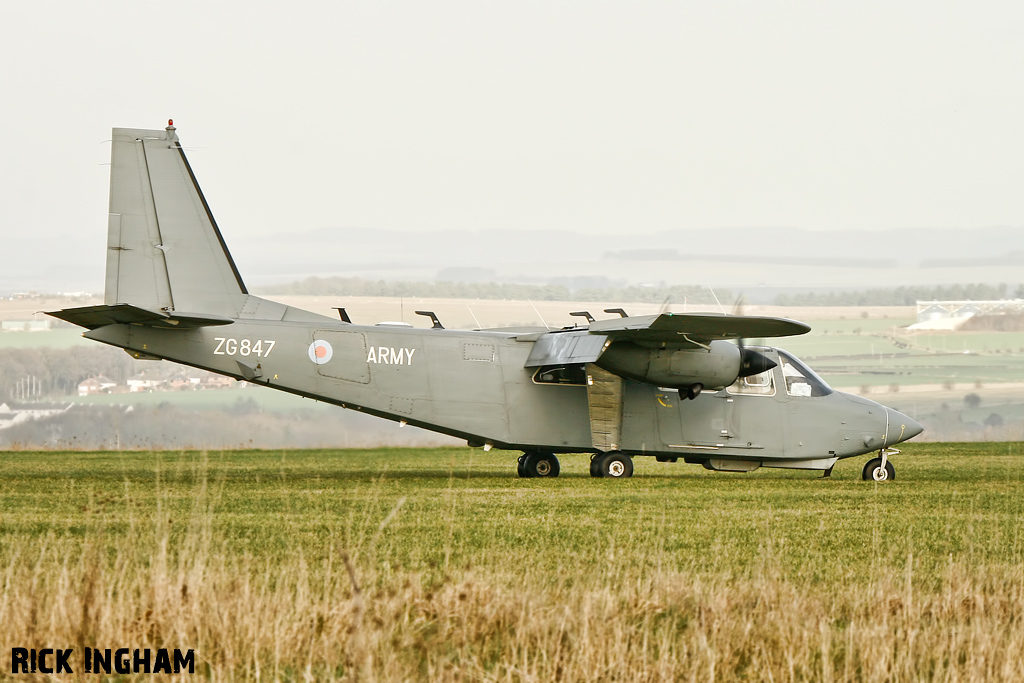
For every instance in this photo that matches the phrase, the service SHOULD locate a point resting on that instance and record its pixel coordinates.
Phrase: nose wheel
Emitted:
(880, 469)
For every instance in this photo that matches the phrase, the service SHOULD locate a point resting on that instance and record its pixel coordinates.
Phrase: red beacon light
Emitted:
(170, 123)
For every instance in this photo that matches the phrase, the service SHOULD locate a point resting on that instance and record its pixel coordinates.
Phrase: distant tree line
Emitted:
(353, 286)
(676, 294)
(900, 296)
(58, 372)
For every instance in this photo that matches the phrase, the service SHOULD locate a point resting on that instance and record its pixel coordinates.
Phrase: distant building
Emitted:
(968, 310)
(96, 385)
(219, 382)
(933, 312)
(185, 380)
(145, 381)
(928, 311)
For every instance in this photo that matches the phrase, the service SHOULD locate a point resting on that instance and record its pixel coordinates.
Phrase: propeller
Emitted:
(751, 362)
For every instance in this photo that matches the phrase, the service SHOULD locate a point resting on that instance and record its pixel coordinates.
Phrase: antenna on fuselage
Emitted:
(539, 316)
(716, 299)
(478, 325)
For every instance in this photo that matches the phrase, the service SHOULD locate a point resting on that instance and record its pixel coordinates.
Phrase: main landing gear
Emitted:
(880, 469)
(538, 464)
(614, 464)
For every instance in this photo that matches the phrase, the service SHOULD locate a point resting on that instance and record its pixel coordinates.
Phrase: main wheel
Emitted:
(595, 465)
(873, 471)
(616, 464)
(521, 466)
(541, 465)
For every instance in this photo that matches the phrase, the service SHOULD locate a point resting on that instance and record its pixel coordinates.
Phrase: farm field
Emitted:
(54, 339)
(440, 564)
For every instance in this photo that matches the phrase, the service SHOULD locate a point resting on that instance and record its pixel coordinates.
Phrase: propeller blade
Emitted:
(754, 363)
(737, 308)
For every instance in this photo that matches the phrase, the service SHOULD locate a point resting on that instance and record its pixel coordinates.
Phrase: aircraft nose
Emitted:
(901, 427)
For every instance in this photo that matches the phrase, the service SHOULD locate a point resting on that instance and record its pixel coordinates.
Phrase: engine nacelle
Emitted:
(714, 367)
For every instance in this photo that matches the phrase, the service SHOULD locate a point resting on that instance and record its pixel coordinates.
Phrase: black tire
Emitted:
(873, 471)
(541, 465)
(521, 466)
(595, 465)
(616, 465)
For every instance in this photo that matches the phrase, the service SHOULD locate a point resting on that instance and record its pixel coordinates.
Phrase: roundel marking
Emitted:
(320, 352)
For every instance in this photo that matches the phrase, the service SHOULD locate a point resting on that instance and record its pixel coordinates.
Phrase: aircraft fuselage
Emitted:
(473, 385)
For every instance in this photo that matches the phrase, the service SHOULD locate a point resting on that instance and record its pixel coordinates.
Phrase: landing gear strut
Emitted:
(538, 465)
(880, 469)
(614, 464)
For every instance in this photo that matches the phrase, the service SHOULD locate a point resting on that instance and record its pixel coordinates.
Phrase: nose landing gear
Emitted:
(880, 469)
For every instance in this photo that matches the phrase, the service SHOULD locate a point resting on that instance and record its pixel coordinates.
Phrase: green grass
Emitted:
(464, 506)
(921, 369)
(440, 564)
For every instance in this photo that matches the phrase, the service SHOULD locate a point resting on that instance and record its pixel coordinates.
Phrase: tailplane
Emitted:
(164, 249)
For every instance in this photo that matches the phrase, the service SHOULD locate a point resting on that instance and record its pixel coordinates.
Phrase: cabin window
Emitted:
(762, 384)
(800, 379)
(561, 374)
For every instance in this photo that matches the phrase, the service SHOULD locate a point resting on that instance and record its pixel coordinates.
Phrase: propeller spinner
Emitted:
(751, 362)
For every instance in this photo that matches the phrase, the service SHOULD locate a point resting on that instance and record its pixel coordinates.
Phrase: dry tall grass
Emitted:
(254, 618)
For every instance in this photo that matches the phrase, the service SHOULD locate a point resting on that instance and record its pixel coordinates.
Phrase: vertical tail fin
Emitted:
(164, 249)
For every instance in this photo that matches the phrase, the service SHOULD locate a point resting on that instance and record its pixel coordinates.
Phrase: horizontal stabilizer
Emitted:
(696, 327)
(92, 317)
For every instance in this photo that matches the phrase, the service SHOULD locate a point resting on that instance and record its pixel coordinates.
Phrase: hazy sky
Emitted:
(587, 116)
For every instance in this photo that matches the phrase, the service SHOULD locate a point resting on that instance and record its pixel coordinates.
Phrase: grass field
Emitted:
(442, 565)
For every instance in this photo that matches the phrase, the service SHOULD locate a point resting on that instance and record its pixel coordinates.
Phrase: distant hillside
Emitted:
(901, 296)
(760, 262)
(346, 286)
(881, 296)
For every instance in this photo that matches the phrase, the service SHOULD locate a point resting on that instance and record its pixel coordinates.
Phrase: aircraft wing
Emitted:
(696, 327)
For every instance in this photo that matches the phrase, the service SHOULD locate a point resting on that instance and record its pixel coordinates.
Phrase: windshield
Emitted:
(800, 379)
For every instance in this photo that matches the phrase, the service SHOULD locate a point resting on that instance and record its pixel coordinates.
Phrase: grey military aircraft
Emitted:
(670, 386)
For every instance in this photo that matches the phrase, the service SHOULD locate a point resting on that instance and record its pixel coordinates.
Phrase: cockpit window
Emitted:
(800, 379)
(762, 384)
